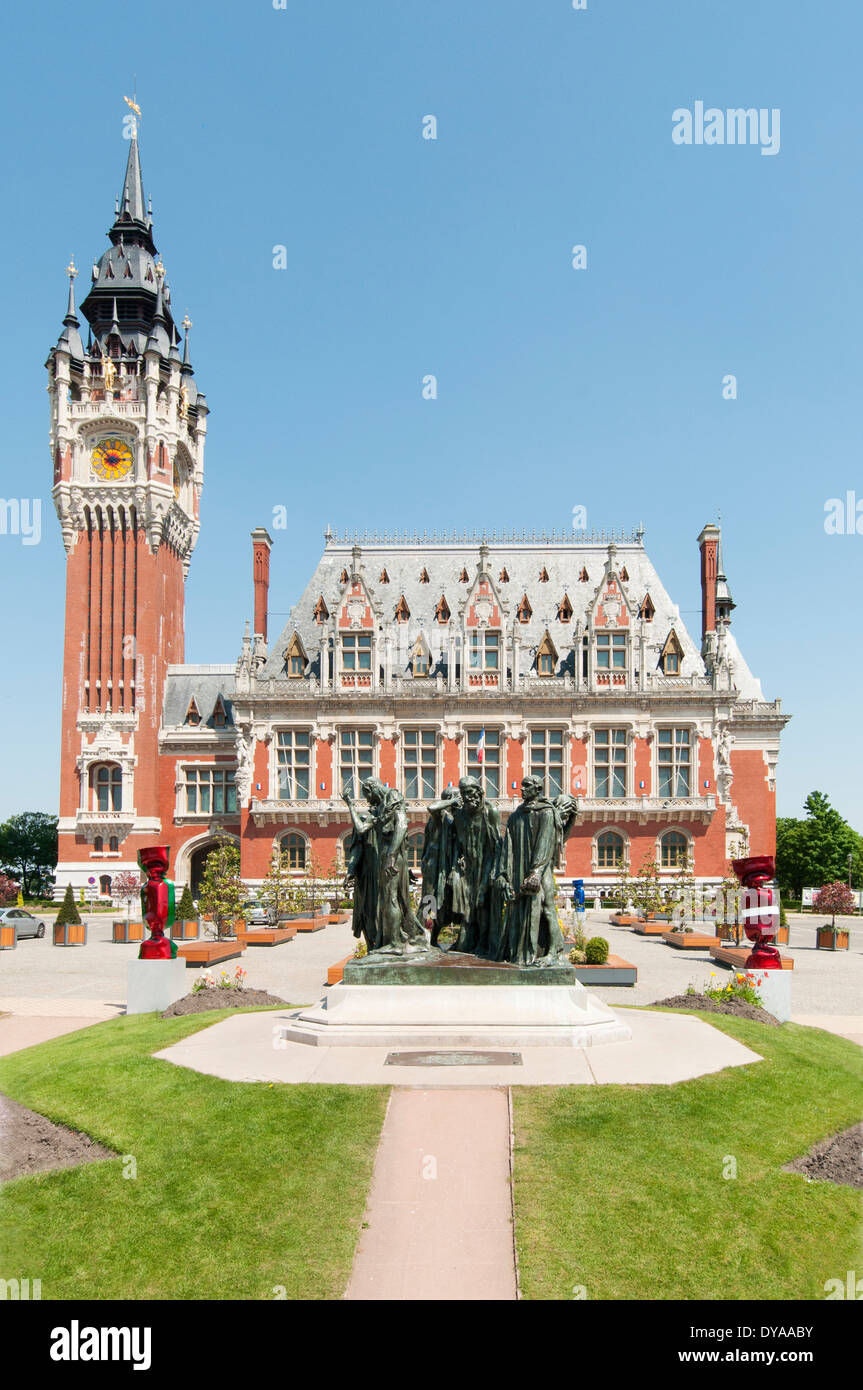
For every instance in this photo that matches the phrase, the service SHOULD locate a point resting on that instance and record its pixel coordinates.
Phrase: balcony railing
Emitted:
(606, 809)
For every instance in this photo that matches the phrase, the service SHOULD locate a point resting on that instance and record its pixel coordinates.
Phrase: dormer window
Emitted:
(343, 577)
(402, 610)
(671, 656)
(546, 657)
(564, 610)
(384, 579)
(421, 659)
(220, 716)
(322, 613)
(424, 577)
(647, 610)
(504, 577)
(295, 658)
(543, 575)
(357, 651)
(442, 613)
(462, 579)
(524, 612)
(611, 651)
(193, 714)
(584, 577)
(624, 575)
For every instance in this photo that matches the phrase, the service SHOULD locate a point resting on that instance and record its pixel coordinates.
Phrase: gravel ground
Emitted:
(824, 982)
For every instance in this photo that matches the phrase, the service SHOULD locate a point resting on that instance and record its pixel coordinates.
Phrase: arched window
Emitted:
(105, 885)
(113, 844)
(415, 849)
(610, 850)
(98, 845)
(294, 846)
(674, 850)
(108, 787)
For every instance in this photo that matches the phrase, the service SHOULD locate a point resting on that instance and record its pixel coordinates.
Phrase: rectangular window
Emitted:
(485, 763)
(484, 650)
(357, 651)
(420, 764)
(673, 761)
(609, 762)
(546, 759)
(611, 651)
(356, 759)
(210, 791)
(294, 754)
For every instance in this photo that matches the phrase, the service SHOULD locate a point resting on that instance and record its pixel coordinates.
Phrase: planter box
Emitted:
(210, 952)
(186, 931)
(615, 971)
(690, 941)
(828, 940)
(309, 923)
(782, 936)
(339, 917)
(72, 934)
(123, 931)
(336, 972)
(8, 938)
(620, 919)
(648, 927)
(267, 936)
(737, 956)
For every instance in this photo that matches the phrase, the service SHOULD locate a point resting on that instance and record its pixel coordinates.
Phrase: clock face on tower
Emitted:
(111, 459)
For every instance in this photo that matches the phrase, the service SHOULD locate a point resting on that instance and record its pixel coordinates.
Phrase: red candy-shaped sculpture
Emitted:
(157, 904)
(760, 913)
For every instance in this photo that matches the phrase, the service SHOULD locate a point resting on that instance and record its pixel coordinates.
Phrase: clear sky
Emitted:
(602, 387)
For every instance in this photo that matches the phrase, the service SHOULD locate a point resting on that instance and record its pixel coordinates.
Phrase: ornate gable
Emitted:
(356, 609)
(611, 608)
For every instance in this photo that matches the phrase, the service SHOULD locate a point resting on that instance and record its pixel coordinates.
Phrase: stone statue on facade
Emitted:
(377, 867)
(534, 838)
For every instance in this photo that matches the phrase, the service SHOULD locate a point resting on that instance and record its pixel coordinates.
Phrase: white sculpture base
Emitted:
(457, 1016)
(774, 986)
(153, 985)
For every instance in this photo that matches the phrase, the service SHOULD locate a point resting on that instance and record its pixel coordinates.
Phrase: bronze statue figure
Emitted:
(474, 902)
(532, 845)
(377, 866)
(437, 860)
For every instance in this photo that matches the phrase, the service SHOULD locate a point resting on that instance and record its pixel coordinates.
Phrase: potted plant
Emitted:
(279, 893)
(69, 930)
(127, 888)
(222, 891)
(833, 898)
(186, 926)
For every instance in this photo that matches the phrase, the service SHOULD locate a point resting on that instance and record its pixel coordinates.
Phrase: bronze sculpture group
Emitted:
(496, 891)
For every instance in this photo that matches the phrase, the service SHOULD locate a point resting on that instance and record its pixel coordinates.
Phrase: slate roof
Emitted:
(205, 684)
(523, 560)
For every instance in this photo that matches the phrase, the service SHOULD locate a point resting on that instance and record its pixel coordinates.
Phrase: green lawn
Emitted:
(620, 1189)
(240, 1188)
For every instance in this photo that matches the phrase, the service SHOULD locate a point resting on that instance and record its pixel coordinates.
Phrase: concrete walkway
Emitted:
(438, 1222)
(27, 1021)
(665, 1048)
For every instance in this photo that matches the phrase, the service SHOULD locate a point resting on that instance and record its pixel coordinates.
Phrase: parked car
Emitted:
(257, 915)
(25, 923)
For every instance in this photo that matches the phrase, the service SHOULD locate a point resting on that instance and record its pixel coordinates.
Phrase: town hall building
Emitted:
(417, 658)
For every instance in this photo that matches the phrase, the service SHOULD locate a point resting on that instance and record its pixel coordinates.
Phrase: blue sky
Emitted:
(557, 387)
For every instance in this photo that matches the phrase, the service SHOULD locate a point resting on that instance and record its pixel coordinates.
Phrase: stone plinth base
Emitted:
(408, 1015)
(153, 985)
(774, 986)
(447, 968)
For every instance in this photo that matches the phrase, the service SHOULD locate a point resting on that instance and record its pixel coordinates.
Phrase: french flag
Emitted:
(480, 748)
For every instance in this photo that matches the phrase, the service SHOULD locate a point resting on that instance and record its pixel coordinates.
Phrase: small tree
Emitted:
(646, 891)
(314, 886)
(126, 888)
(279, 891)
(835, 898)
(68, 914)
(8, 890)
(186, 908)
(222, 890)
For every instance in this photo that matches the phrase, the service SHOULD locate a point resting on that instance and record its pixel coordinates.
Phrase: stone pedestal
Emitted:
(153, 985)
(474, 1015)
(774, 986)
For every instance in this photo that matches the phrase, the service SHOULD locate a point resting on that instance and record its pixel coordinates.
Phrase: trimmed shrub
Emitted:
(185, 911)
(596, 951)
(68, 914)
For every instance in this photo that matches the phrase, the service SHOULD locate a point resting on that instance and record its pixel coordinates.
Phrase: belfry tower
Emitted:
(128, 426)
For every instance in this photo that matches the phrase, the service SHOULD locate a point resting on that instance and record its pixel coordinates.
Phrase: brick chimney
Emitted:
(261, 546)
(708, 543)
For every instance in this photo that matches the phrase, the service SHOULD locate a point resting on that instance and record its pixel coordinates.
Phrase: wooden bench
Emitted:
(650, 928)
(267, 936)
(336, 972)
(737, 956)
(690, 941)
(308, 923)
(210, 952)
